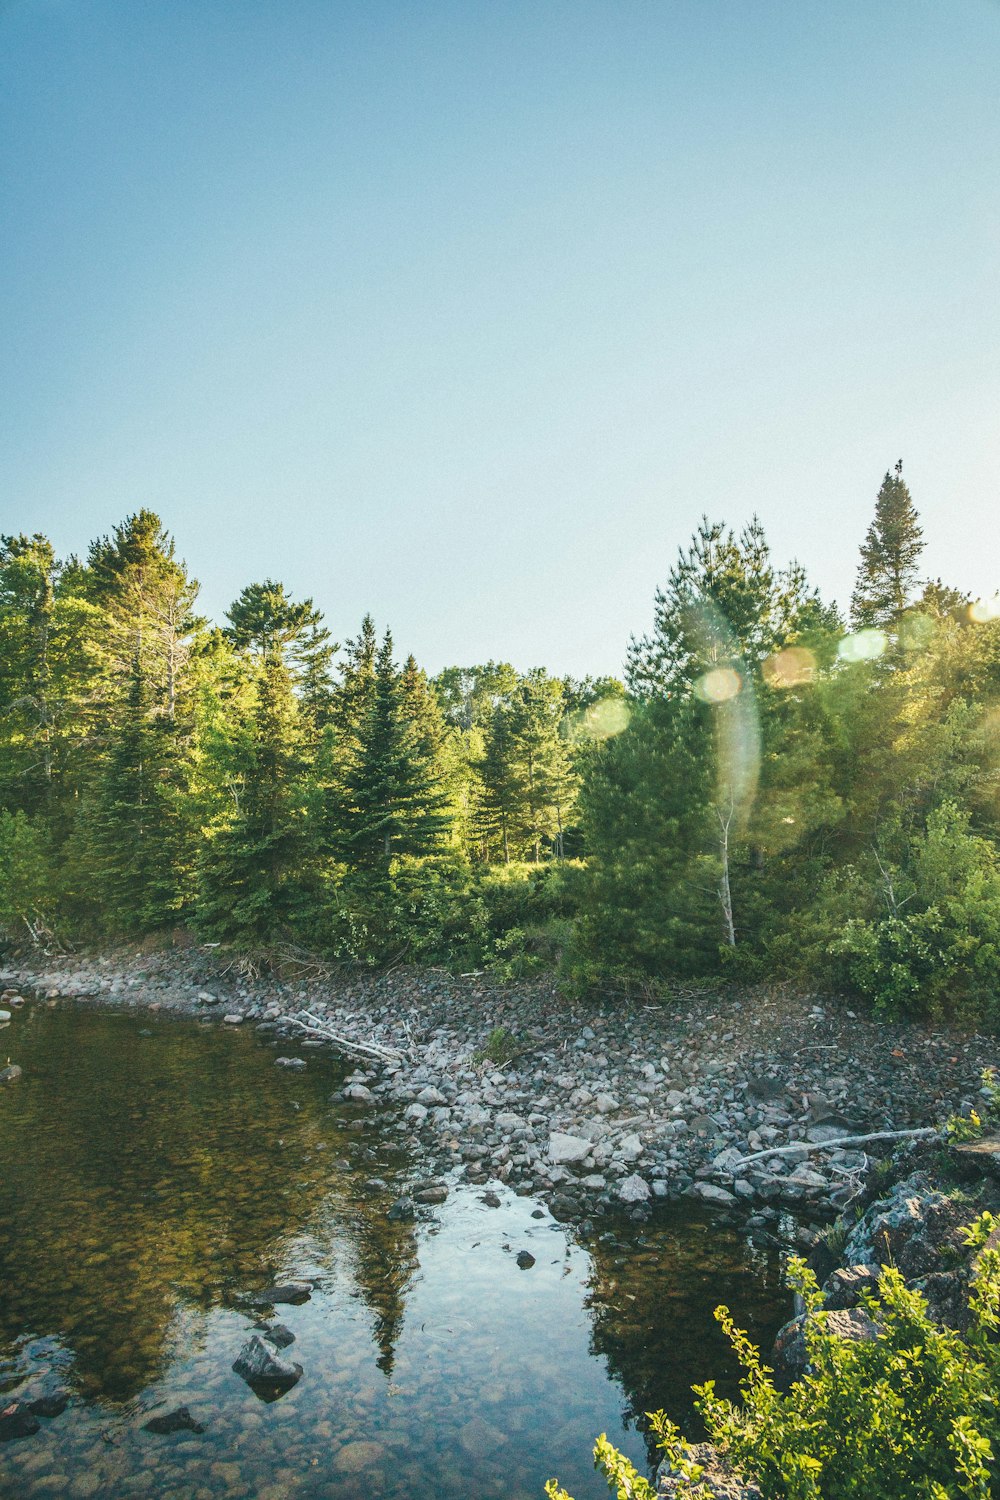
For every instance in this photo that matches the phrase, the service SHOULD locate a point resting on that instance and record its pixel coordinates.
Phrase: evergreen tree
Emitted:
(259, 866)
(395, 798)
(887, 571)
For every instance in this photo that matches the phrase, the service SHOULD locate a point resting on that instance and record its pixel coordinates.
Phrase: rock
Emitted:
(204, 998)
(298, 1063)
(5, 1015)
(978, 1158)
(284, 1291)
(525, 1260)
(17, 1421)
(790, 1355)
(435, 1193)
(768, 1090)
(49, 1406)
(844, 1287)
(233, 1020)
(563, 1149)
(356, 1457)
(180, 1420)
(359, 1093)
(720, 1479)
(258, 1364)
(491, 1200)
(634, 1189)
(431, 1095)
(479, 1439)
(11, 1073)
(401, 1210)
(710, 1193)
(629, 1148)
(507, 1120)
(278, 1335)
(416, 1114)
(605, 1104)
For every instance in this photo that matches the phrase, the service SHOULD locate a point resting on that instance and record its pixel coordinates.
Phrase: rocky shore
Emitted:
(596, 1106)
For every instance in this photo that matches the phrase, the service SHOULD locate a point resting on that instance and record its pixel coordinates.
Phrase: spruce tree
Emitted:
(259, 867)
(887, 571)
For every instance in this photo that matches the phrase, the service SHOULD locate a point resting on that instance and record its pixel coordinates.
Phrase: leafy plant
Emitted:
(911, 1411)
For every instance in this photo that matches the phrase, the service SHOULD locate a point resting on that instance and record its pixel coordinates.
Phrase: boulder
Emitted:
(634, 1189)
(284, 1291)
(179, 1420)
(258, 1364)
(359, 1093)
(565, 1149)
(709, 1192)
(17, 1421)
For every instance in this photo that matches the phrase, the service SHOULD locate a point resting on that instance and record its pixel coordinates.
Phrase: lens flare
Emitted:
(981, 611)
(719, 685)
(790, 667)
(604, 719)
(866, 645)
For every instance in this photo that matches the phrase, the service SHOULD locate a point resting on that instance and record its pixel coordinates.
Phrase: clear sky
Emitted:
(464, 312)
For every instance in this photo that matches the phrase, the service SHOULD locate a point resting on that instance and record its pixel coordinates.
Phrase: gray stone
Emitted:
(359, 1093)
(629, 1148)
(709, 1192)
(563, 1149)
(258, 1364)
(233, 1020)
(634, 1189)
(284, 1291)
(11, 1073)
(290, 1062)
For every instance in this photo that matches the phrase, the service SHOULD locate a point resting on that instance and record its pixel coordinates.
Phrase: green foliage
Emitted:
(499, 1048)
(913, 1411)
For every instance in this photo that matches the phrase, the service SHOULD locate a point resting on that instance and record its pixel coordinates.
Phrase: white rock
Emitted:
(712, 1194)
(567, 1148)
(634, 1189)
(431, 1095)
(629, 1148)
(233, 1020)
(359, 1093)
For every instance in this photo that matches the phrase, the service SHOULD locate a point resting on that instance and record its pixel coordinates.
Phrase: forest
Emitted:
(774, 791)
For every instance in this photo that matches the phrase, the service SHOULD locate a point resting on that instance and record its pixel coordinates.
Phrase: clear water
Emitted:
(150, 1184)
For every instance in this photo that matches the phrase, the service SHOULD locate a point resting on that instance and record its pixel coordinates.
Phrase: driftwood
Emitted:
(842, 1140)
(319, 1028)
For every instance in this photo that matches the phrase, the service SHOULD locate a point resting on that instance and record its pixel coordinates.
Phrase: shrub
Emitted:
(910, 1412)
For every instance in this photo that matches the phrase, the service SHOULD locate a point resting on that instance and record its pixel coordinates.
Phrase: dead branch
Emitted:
(808, 1147)
(319, 1028)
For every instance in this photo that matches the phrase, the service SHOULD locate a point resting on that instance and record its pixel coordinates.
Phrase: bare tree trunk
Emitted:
(725, 890)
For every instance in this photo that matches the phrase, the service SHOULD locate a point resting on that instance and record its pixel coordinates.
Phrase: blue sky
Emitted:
(464, 313)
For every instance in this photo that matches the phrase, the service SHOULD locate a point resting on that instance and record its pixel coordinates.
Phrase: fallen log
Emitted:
(319, 1028)
(808, 1147)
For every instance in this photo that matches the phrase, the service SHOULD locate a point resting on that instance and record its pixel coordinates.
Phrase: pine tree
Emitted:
(259, 867)
(887, 571)
(394, 787)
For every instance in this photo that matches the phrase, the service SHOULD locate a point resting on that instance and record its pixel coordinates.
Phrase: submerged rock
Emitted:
(49, 1406)
(11, 1073)
(17, 1421)
(400, 1210)
(285, 1291)
(278, 1335)
(258, 1364)
(179, 1420)
(290, 1062)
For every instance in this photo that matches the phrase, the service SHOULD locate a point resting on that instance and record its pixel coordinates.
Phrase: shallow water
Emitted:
(149, 1184)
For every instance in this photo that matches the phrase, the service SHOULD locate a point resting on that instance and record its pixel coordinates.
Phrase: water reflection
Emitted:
(150, 1184)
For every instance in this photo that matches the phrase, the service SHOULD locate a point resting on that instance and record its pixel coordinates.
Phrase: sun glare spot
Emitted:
(866, 645)
(981, 611)
(719, 685)
(790, 667)
(604, 719)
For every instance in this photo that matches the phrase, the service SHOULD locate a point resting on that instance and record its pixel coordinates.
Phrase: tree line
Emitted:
(773, 790)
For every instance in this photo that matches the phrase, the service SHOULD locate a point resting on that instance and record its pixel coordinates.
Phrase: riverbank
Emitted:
(597, 1106)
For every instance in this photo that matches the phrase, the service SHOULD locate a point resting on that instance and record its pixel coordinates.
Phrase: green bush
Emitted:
(910, 1413)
